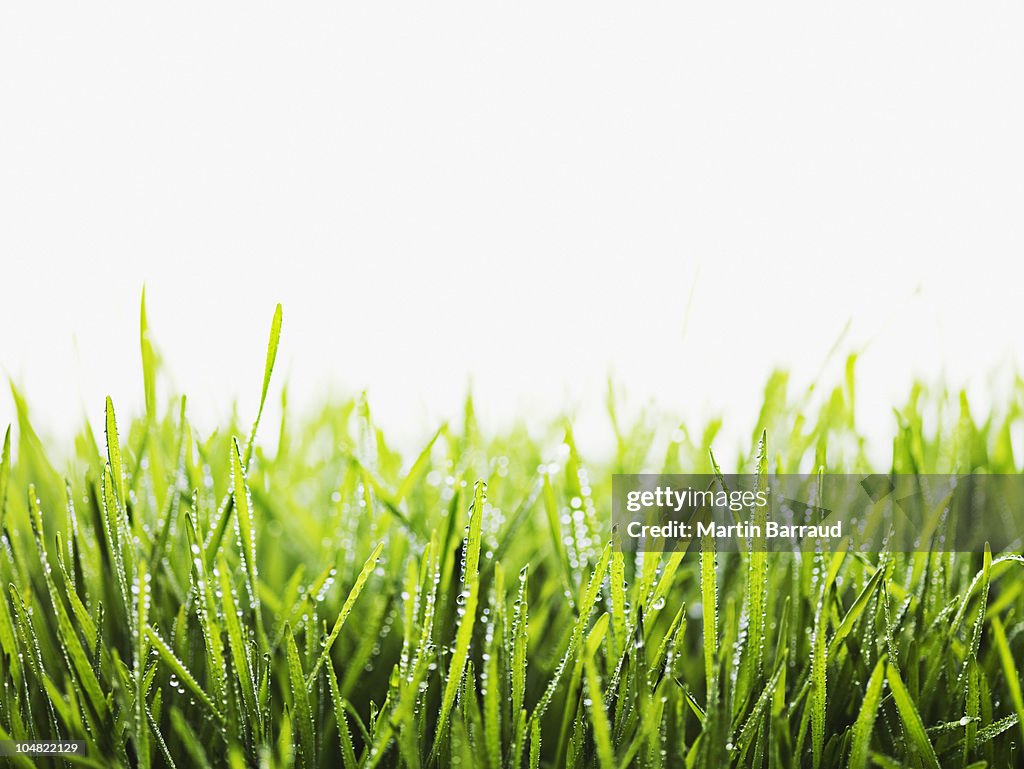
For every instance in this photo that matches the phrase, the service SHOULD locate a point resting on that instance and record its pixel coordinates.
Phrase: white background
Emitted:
(523, 194)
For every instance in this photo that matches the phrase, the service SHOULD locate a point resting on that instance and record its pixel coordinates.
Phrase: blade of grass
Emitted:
(300, 701)
(464, 634)
(346, 609)
(1009, 666)
(860, 743)
(917, 739)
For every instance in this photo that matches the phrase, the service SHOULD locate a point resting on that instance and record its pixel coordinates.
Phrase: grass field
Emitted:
(180, 599)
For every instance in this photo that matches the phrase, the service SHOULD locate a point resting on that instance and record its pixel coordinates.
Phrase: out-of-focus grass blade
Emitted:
(555, 526)
(576, 637)
(418, 467)
(268, 369)
(149, 360)
(17, 759)
(189, 740)
(5, 475)
(219, 527)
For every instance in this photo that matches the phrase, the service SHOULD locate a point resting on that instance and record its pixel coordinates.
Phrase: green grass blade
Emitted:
(183, 673)
(5, 476)
(238, 646)
(348, 752)
(300, 701)
(464, 634)
(709, 602)
(1009, 667)
(268, 369)
(819, 684)
(917, 739)
(598, 717)
(860, 744)
(149, 360)
(346, 609)
(114, 453)
(246, 530)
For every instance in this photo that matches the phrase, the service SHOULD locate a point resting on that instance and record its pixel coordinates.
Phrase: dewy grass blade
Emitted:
(709, 602)
(206, 607)
(141, 591)
(246, 530)
(818, 699)
(598, 717)
(238, 646)
(492, 698)
(114, 453)
(619, 635)
(268, 369)
(575, 639)
(518, 661)
(300, 701)
(76, 656)
(757, 584)
(184, 674)
(468, 597)
(357, 588)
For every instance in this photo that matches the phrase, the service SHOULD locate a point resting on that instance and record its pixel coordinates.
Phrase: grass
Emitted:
(181, 600)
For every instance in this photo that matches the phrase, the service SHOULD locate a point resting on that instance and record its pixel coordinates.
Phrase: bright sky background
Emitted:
(524, 194)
